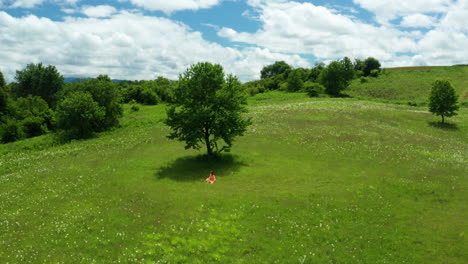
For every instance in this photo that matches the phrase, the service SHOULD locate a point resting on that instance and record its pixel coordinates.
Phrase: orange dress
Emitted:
(211, 178)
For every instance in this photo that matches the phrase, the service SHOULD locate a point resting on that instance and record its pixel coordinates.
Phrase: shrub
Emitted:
(34, 106)
(34, 126)
(11, 131)
(313, 89)
(363, 79)
(374, 73)
(106, 94)
(79, 116)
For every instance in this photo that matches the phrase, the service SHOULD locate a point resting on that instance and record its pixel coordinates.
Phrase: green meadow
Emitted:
(313, 181)
(410, 84)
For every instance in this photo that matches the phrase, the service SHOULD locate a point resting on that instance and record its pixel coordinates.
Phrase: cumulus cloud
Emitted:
(171, 6)
(304, 28)
(418, 20)
(99, 11)
(293, 27)
(387, 10)
(125, 46)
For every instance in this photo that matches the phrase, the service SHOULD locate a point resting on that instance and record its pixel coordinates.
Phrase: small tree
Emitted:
(370, 64)
(207, 108)
(443, 99)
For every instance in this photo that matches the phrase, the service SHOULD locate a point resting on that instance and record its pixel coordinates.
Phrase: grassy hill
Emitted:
(411, 84)
(313, 181)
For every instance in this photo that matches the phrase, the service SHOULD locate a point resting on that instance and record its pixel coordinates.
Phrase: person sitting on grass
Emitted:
(212, 178)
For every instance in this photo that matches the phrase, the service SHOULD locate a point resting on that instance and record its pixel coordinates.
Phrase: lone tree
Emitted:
(207, 107)
(443, 99)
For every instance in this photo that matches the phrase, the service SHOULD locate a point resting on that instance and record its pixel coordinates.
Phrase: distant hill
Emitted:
(77, 79)
(411, 84)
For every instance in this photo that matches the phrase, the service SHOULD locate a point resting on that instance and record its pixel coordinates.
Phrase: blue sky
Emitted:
(143, 39)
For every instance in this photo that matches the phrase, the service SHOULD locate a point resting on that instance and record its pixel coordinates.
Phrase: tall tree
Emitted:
(39, 80)
(443, 99)
(207, 108)
(279, 67)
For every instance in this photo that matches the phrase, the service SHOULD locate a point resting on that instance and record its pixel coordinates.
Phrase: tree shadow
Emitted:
(444, 126)
(197, 168)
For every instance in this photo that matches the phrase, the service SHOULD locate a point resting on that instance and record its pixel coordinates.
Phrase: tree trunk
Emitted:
(207, 142)
(442, 119)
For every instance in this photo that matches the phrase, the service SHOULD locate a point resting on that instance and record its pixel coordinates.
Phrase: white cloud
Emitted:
(418, 20)
(387, 10)
(32, 3)
(125, 46)
(293, 27)
(26, 3)
(99, 11)
(174, 5)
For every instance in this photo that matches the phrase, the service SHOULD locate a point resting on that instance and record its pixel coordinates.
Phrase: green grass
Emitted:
(312, 181)
(411, 84)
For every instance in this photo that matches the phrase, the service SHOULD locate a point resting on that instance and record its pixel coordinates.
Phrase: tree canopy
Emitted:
(207, 108)
(443, 99)
(279, 67)
(337, 76)
(39, 80)
(370, 64)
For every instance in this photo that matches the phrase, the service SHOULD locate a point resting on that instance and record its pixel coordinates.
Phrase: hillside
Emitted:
(313, 181)
(411, 84)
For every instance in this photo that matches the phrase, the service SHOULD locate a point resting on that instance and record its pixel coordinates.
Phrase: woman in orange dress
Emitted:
(211, 178)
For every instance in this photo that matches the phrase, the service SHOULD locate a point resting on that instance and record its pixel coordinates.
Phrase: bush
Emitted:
(79, 116)
(34, 126)
(34, 106)
(313, 89)
(11, 131)
(141, 94)
(134, 106)
(106, 94)
(363, 79)
(374, 73)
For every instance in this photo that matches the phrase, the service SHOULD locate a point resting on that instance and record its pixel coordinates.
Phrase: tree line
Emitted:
(206, 105)
(332, 79)
(39, 102)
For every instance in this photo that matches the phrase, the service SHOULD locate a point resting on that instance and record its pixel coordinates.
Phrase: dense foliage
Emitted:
(79, 116)
(337, 76)
(207, 108)
(443, 99)
(106, 94)
(279, 67)
(39, 80)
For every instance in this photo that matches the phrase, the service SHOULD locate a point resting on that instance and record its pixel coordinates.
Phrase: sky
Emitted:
(144, 39)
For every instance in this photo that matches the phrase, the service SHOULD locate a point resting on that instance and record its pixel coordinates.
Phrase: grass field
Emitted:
(313, 181)
(411, 84)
